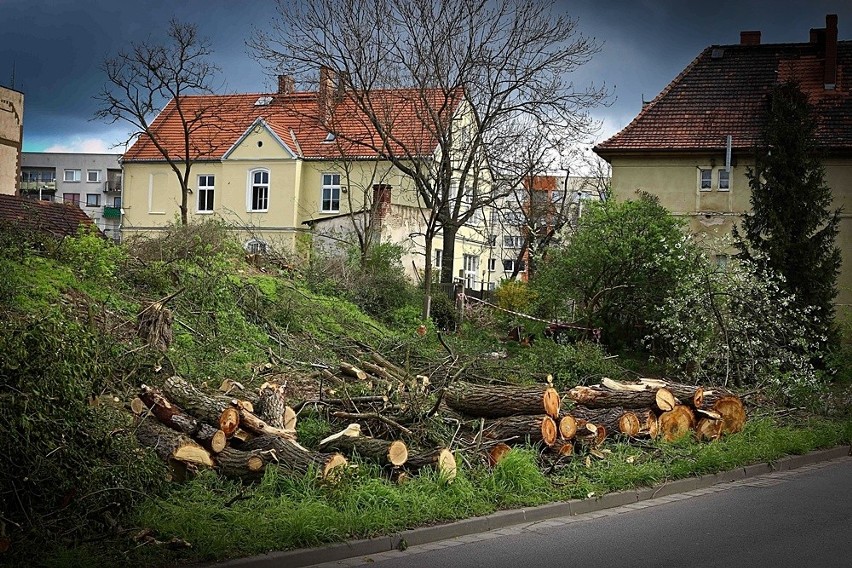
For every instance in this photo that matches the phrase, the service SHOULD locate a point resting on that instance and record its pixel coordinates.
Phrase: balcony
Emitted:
(113, 185)
(112, 212)
(36, 186)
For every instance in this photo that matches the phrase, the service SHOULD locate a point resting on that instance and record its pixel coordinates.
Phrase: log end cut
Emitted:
(548, 430)
(733, 413)
(567, 427)
(446, 465)
(551, 402)
(665, 400)
(708, 429)
(229, 420)
(676, 423)
(497, 453)
(628, 424)
(330, 468)
(397, 453)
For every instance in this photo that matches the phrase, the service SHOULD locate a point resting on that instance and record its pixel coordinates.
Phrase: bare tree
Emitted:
(438, 82)
(153, 77)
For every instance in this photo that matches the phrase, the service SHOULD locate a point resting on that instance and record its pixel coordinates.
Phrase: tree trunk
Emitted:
(677, 422)
(615, 419)
(213, 439)
(292, 458)
(733, 413)
(494, 401)
(448, 253)
(384, 452)
(241, 464)
(593, 397)
(353, 371)
(203, 406)
(170, 444)
(517, 429)
(271, 404)
(251, 422)
(441, 460)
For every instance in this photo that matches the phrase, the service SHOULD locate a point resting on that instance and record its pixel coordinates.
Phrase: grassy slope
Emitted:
(234, 322)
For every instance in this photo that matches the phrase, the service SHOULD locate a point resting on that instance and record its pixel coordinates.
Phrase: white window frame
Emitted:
(97, 176)
(702, 180)
(75, 176)
(509, 265)
(329, 185)
(439, 257)
(719, 180)
(207, 191)
(513, 241)
(470, 262)
(250, 191)
(492, 264)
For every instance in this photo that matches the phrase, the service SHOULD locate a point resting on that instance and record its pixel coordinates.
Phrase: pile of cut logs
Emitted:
(243, 436)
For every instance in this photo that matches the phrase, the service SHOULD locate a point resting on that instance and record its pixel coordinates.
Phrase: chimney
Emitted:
(830, 75)
(750, 37)
(286, 85)
(326, 93)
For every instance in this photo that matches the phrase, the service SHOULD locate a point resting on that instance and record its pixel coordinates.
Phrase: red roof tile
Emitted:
(294, 118)
(723, 92)
(59, 219)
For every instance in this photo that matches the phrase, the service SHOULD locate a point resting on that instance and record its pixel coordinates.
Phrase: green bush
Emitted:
(443, 311)
(91, 255)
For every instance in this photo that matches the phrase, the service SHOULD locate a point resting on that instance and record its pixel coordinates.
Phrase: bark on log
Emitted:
(441, 460)
(494, 401)
(733, 413)
(384, 452)
(170, 444)
(517, 429)
(562, 448)
(241, 464)
(251, 422)
(205, 407)
(596, 397)
(213, 439)
(615, 419)
(353, 371)
(677, 422)
(271, 403)
(292, 458)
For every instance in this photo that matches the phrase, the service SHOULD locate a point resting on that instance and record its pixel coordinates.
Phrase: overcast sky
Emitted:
(53, 50)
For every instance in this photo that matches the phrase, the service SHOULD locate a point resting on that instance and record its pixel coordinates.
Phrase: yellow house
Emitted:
(277, 165)
(692, 144)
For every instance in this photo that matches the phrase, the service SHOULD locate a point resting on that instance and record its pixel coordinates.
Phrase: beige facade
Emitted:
(11, 139)
(676, 180)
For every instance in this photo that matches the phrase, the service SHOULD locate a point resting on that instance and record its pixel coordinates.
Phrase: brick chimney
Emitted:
(326, 93)
(750, 37)
(830, 72)
(286, 85)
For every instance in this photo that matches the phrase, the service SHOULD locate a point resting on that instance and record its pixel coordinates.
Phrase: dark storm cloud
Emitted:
(56, 48)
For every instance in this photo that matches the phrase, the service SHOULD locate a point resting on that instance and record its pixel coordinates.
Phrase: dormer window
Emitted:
(263, 101)
(330, 137)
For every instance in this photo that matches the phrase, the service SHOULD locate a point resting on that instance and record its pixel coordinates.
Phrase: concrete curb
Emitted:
(503, 519)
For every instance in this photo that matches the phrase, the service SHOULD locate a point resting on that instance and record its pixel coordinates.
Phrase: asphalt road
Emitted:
(798, 518)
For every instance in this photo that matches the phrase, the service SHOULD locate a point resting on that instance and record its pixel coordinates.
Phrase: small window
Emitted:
(93, 176)
(492, 264)
(330, 193)
(205, 193)
(71, 175)
(116, 202)
(439, 255)
(258, 191)
(93, 199)
(71, 198)
(724, 180)
(705, 179)
(513, 241)
(509, 265)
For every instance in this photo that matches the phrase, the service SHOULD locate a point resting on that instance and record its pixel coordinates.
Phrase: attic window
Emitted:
(263, 101)
(717, 53)
(330, 137)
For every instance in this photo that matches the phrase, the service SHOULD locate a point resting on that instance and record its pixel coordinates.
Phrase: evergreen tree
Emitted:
(791, 229)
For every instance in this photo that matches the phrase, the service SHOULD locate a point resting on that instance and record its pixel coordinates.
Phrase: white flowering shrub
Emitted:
(728, 323)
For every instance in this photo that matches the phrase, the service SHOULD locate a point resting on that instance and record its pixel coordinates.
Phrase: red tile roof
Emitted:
(59, 219)
(294, 118)
(723, 92)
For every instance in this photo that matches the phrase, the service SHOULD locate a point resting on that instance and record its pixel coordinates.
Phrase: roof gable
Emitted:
(255, 132)
(724, 92)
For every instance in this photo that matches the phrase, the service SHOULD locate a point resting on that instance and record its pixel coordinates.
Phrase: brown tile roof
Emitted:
(294, 118)
(723, 91)
(59, 219)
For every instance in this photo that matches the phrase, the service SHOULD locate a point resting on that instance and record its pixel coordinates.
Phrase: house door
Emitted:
(471, 269)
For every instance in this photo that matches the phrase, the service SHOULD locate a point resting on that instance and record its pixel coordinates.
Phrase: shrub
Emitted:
(515, 295)
(91, 255)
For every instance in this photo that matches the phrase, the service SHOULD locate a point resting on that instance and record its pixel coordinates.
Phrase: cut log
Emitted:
(353, 371)
(567, 426)
(519, 429)
(708, 429)
(290, 418)
(271, 403)
(664, 399)
(588, 435)
(211, 438)
(629, 425)
(562, 448)
(733, 413)
(137, 407)
(610, 418)
(677, 422)
(494, 401)
(592, 397)
(251, 422)
(292, 458)
(229, 420)
(170, 444)
(391, 367)
(241, 464)
(380, 372)
(205, 407)
(383, 452)
(497, 452)
(441, 460)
